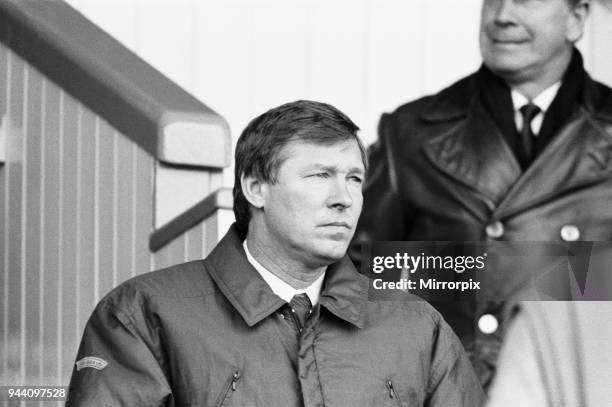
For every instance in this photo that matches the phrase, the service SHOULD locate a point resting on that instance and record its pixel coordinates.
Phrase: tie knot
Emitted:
(301, 302)
(301, 307)
(529, 111)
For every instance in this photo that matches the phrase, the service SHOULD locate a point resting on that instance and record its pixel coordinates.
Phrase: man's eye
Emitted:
(321, 175)
(356, 179)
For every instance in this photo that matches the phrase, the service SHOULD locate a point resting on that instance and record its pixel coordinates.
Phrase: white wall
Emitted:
(242, 57)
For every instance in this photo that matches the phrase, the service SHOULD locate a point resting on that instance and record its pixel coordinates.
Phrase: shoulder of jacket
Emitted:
(179, 281)
(450, 103)
(414, 310)
(418, 306)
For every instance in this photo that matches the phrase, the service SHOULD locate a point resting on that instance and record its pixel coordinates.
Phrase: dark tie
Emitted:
(301, 308)
(529, 111)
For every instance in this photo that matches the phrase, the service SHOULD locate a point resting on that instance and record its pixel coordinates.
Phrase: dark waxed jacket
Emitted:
(442, 171)
(212, 333)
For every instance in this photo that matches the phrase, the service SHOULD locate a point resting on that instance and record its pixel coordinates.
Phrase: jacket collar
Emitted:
(454, 101)
(581, 153)
(597, 99)
(344, 290)
(460, 152)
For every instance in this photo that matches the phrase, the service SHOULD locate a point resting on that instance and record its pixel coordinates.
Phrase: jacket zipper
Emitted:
(392, 393)
(232, 384)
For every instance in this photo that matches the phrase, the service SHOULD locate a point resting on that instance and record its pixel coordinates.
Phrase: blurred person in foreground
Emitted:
(556, 354)
(276, 315)
(559, 353)
(518, 151)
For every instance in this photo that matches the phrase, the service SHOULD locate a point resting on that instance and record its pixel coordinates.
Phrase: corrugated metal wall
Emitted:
(76, 213)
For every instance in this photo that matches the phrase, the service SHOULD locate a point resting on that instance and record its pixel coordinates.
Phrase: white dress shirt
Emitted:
(543, 101)
(281, 288)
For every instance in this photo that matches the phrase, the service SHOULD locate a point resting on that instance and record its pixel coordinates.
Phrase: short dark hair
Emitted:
(258, 150)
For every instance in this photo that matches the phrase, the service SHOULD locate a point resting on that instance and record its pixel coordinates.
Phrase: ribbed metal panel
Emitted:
(76, 212)
(4, 277)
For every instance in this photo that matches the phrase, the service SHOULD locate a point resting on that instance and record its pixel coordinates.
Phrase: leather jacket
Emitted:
(442, 171)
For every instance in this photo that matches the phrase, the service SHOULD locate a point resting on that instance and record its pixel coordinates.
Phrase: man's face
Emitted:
(520, 39)
(310, 213)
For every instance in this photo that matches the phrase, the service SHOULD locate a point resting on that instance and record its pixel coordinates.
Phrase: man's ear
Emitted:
(578, 17)
(253, 190)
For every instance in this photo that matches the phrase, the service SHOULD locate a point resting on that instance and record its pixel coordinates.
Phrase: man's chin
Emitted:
(331, 255)
(506, 66)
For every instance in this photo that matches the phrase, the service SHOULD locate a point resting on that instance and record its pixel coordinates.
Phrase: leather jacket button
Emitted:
(570, 233)
(495, 230)
(488, 324)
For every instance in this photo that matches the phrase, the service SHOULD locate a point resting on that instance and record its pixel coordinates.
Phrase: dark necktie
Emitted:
(301, 308)
(528, 111)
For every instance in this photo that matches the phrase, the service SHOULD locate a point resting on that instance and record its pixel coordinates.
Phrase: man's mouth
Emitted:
(502, 39)
(507, 42)
(338, 224)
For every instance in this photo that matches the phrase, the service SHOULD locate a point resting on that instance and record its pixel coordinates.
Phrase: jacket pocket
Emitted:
(392, 393)
(230, 387)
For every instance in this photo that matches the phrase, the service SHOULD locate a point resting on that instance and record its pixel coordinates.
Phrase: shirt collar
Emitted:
(280, 287)
(543, 100)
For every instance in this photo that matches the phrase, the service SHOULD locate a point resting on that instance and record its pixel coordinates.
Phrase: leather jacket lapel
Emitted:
(580, 155)
(475, 153)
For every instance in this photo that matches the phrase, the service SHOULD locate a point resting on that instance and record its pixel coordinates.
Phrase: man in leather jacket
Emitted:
(521, 150)
(276, 315)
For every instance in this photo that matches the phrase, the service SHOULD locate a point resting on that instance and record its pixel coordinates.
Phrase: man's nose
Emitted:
(340, 196)
(504, 13)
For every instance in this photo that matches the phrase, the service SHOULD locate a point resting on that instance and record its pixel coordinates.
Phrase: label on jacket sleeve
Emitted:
(91, 361)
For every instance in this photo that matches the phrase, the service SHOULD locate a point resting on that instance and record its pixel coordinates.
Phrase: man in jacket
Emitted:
(276, 315)
(521, 150)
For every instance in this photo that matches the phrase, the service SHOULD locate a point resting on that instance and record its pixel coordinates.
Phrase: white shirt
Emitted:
(281, 288)
(543, 101)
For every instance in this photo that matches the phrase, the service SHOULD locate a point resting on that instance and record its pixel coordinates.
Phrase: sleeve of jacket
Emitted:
(452, 380)
(115, 366)
(383, 215)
